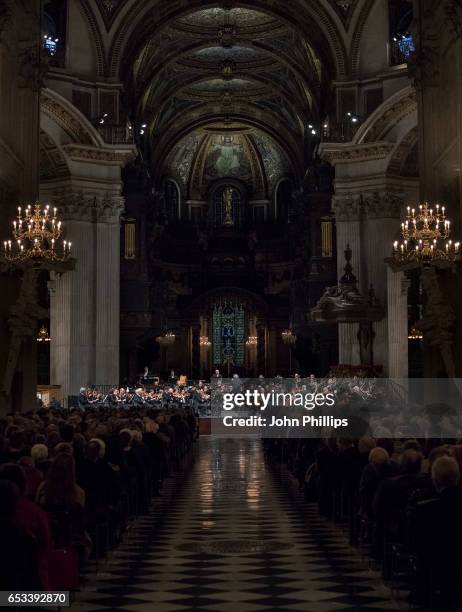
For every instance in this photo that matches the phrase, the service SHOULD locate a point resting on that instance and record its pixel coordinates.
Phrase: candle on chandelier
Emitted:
(457, 246)
(55, 210)
(395, 245)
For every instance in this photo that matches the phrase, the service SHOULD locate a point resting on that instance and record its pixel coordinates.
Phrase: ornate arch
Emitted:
(402, 152)
(357, 36)
(143, 21)
(76, 126)
(95, 30)
(387, 116)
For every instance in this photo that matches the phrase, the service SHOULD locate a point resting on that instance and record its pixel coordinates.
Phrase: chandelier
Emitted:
(166, 339)
(43, 335)
(37, 237)
(288, 337)
(252, 341)
(415, 334)
(425, 234)
(204, 342)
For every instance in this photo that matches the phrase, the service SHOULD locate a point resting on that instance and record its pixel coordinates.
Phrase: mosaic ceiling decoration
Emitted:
(214, 17)
(238, 86)
(222, 54)
(235, 66)
(251, 157)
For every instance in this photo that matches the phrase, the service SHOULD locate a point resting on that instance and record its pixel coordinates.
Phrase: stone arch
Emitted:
(65, 123)
(357, 35)
(391, 120)
(402, 153)
(134, 18)
(53, 162)
(96, 36)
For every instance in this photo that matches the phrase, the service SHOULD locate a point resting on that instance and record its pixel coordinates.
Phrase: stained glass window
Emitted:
(228, 334)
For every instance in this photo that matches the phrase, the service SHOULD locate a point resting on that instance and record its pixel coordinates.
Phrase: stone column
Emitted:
(107, 291)
(397, 287)
(84, 303)
(382, 211)
(72, 308)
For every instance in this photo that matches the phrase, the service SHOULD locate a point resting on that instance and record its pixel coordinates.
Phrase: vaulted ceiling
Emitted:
(227, 65)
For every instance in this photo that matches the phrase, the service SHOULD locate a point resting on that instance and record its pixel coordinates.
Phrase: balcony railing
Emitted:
(340, 132)
(115, 134)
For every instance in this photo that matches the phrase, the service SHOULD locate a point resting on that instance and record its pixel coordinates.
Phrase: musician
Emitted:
(138, 398)
(83, 398)
(172, 379)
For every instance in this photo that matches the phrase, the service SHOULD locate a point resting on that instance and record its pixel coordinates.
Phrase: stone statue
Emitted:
(228, 206)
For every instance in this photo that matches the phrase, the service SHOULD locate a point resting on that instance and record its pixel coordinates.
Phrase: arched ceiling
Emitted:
(208, 154)
(231, 65)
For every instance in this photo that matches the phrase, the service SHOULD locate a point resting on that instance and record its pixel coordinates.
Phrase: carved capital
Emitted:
(87, 206)
(383, 205)
(348, 207)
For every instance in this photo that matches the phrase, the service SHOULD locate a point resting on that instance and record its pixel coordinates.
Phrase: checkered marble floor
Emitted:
(232, 539)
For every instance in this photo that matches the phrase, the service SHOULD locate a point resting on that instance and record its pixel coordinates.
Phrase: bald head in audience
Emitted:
(445, 473)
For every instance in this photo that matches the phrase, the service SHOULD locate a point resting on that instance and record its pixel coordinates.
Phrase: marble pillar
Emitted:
(397, 290)
(107, 273)
(84, 303)
(382, 222)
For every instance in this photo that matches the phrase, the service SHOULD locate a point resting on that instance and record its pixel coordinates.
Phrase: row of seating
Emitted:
(72, 483)
(398, 501)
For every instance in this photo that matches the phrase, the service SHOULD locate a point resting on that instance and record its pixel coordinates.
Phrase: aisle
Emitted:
(233, 541)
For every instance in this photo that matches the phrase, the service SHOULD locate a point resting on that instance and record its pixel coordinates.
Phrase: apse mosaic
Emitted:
(181, 158)
(227, 157)
(274, 160)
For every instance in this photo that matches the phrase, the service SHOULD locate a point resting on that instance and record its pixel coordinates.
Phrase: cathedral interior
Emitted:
(218, 162)
(199, 190)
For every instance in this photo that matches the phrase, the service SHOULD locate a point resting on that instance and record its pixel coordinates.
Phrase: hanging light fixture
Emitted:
(415, 334)
(166, 339)
(425, 238)
(204, 342)
(37, 237)
(37, 232)
(43, 335)
(288, 337)
(252, 341)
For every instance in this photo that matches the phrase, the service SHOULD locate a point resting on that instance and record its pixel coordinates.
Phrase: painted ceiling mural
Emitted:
(213, 17)
(229, 66)
(252, 157)
(227, 157)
